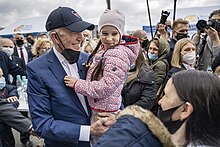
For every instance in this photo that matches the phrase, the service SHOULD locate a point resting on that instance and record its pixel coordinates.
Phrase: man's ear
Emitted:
(186, 111)
(53, 37)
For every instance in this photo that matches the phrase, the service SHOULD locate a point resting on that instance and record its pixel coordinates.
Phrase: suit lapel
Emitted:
(81, 64)
(59, 73)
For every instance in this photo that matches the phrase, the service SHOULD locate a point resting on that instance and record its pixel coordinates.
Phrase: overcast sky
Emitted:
(135, 11)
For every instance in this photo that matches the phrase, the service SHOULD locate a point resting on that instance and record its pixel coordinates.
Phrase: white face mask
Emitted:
(9, 51)
(189, 58)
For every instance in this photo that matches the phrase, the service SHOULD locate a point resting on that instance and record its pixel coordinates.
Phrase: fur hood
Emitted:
(154, 124)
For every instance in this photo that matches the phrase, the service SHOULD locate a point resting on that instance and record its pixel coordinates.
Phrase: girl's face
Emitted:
(109, 36)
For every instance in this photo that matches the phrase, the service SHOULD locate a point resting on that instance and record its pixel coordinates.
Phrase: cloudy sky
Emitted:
(135, 11)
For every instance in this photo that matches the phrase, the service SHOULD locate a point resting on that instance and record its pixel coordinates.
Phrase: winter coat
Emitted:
(136, 127)
(209, 53)
(140, 91)
(105, 93)
(161, 66)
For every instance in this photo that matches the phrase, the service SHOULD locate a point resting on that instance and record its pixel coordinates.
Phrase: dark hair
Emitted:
(29, 34)
(202, 90)
(214, 13)
(138, 63)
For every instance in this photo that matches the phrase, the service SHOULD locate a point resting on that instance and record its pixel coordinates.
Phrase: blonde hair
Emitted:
(176, 58)
(38, 44)
(179, 21)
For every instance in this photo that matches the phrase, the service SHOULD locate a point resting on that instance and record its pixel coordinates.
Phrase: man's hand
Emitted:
(97, 128)
(69, 81)
(161, 28)
(12, 99)
(213, 34)
(32, 132)
(109, 116)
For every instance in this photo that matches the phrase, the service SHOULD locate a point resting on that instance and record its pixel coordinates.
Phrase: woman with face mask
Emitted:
(184, 58)
(190, 108)
(157, 52)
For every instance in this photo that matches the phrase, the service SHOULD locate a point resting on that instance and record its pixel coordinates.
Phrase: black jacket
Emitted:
(9, 67)
(18, 61)
(140, 91)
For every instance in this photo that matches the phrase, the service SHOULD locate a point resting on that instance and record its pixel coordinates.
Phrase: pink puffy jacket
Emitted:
(105, 94)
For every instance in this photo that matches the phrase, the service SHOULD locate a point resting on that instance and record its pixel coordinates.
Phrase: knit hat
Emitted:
(112, 18)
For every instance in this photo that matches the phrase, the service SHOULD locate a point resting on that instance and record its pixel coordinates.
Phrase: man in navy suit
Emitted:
(59, 115)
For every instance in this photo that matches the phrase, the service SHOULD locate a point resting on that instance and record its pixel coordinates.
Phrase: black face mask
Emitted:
(165, 117)
(180, 36)
(19, 42)
(31, 41)
(70, 55)
(145, 43)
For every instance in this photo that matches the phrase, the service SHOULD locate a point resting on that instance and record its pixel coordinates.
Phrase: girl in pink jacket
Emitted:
(108, 65)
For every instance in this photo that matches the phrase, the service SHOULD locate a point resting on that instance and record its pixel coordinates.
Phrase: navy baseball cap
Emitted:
(67, 18)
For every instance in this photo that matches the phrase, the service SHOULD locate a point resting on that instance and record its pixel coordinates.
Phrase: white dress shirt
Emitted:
(25, 54)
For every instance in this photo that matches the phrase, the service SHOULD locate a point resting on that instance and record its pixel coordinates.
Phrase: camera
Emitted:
(202, 25)
(164, 15)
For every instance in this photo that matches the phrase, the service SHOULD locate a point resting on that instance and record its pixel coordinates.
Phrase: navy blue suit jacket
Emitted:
(55, 109)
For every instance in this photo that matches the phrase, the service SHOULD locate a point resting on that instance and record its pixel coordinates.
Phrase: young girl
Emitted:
(108, 65)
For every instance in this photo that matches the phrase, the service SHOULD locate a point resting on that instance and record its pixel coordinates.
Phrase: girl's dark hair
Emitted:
(202, 90)
(98, 70)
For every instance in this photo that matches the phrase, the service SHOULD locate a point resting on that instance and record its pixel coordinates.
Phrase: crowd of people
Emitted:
(117, 90)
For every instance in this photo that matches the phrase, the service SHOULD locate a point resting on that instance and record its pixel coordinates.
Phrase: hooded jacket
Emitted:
(136, 127)
(161, 66)
(105, 93)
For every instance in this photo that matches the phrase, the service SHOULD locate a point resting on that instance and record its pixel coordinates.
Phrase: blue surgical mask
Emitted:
(2, 83)
(152, 57)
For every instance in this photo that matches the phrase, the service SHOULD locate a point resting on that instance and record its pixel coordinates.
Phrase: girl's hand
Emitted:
(69, 81)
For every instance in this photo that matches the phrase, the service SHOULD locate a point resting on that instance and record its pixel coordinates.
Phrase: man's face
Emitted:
(21, 37)
(19, 40)
(87, 34)
(216, 18)
(7, 43)
(69, 39)
(181, 29)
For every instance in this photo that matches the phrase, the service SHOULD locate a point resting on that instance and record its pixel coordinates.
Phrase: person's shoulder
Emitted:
(40, 61)
(3, 54)
(16, 58)
(10, 87)
(83, 56)
(153, 124)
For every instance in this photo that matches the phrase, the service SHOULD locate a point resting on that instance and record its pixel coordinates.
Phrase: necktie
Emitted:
(22, 54)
